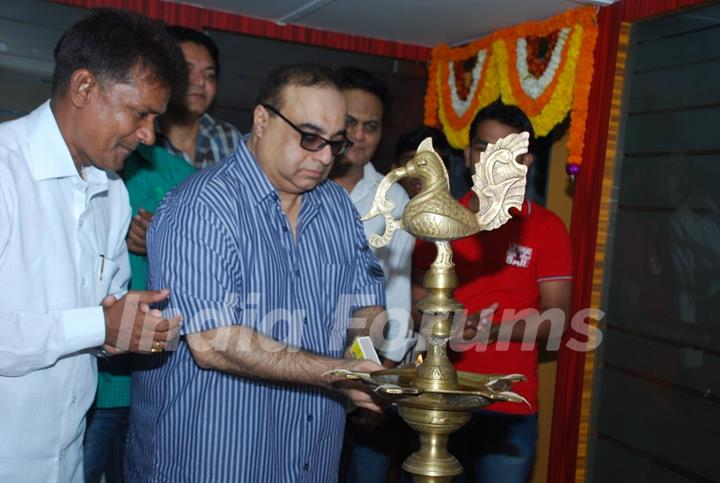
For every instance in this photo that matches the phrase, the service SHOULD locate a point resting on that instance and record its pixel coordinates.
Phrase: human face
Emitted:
(202, 78)
(311, 141)
(364, 125)
(290, 168)
(488, 132)
(115, 118)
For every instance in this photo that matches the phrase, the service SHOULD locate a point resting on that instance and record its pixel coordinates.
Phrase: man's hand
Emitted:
(137, 236)
(132, 326)
(360, 394)
(478, 325)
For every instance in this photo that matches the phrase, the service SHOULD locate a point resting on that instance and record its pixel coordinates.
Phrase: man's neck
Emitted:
(350, 176)
(182, 133)
(290, 203)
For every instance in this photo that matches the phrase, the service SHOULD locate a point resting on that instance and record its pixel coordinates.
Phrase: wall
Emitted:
(559, 201)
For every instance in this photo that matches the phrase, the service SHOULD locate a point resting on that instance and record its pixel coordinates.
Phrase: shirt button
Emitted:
(297, 272)
(306, 466)
(304, 320)
(81, 223)
(309, 418)
(83, 282)
(285, 228)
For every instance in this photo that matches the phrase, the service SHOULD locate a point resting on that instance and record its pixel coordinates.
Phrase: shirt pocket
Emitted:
(104, 271)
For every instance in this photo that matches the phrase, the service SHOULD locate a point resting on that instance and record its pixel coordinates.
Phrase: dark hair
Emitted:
(184, 34)
(507, 114)
(304, 75)
(410, 140)
(356, 78)
(110, 43)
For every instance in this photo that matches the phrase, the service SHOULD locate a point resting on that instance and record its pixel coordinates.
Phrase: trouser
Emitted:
(496, 447)
(104, 444)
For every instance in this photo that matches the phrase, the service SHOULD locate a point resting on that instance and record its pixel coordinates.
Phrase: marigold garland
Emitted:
(547, 89)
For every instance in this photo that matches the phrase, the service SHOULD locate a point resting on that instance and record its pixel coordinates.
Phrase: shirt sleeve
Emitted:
(32, 341)
(191, 253)
(7, 202)
(555, 260)
(121, 280)
(368, 281)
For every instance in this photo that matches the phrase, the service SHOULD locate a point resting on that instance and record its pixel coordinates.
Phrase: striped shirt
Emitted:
(222, 244)
(215, 141)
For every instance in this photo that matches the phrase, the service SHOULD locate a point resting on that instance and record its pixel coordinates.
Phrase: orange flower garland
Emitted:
(583, 81)
(546, 89)
(459, 123)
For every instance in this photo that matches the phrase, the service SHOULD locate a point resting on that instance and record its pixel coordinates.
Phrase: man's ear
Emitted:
(527, 159)
(261, 117)
(83, 85)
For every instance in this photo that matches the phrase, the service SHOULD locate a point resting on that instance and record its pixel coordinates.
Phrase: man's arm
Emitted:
(554, 303)
(34, 340)
(31, 341)
(240, 350)
(137, 235)
(554, 294)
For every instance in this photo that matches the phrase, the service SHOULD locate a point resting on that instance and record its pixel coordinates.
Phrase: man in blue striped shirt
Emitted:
(267, 262)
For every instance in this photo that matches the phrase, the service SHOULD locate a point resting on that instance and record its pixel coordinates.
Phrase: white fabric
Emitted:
(54, 227)
(395, 260)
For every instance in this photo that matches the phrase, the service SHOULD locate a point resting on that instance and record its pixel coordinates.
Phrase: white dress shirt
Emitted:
(395, 260)
(62, 250)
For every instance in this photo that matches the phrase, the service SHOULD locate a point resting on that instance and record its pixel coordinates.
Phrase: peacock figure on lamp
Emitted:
(434, 399)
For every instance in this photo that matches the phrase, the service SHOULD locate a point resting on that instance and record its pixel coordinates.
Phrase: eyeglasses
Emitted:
(314, 142)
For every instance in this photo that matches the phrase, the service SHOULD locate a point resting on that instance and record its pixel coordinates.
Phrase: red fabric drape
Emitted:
(569, 379)
(570, 366)
(200, 18)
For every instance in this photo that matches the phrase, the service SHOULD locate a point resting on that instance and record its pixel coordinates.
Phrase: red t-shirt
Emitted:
(506, 266)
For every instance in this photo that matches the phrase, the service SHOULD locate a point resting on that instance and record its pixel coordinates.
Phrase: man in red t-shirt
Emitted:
(525, 264)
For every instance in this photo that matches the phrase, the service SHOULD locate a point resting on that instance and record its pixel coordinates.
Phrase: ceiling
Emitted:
(30, 29)
(420, 22)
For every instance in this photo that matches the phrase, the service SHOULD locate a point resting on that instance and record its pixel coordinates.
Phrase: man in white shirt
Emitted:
(64, 215)
(368, 100)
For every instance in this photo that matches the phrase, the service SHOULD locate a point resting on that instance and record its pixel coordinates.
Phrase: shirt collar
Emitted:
(207, 124)
(369, 181)
(208, 130)
(49, 155)
(252, 176)
(94, 176)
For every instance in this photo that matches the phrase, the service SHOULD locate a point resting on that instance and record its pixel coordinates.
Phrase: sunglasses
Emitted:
(314, 142)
